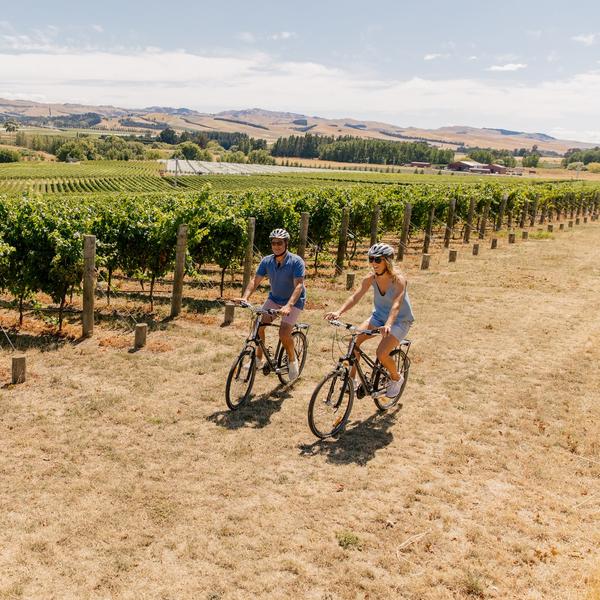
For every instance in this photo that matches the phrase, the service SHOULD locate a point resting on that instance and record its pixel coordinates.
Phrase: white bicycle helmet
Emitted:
(381, 249)
(280, 234)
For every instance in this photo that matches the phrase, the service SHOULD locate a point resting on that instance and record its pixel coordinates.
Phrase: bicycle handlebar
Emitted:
(355, 330)
(259, 310)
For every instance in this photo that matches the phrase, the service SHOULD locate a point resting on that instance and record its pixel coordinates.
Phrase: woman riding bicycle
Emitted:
(392, 313)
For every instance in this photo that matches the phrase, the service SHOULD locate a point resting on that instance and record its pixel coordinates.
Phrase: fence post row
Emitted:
(89, 283)
(449, 223)
(339, 262)
(249, 253)
(375, 224)
(469, 226)
(303, 234)
(405, 230)
(177, 295)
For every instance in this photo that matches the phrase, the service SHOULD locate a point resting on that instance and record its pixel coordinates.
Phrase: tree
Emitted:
(260, 157)
(7, 155)
(189, 150)
(531, 160)
(11, 126)
(168, 136)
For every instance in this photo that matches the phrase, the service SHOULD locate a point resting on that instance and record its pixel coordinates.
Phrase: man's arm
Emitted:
(251, 287)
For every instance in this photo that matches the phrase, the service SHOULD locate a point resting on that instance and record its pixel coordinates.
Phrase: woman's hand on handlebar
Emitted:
(332, 316)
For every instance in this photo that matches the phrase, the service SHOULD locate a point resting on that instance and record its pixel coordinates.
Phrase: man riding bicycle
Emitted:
(392, 312)
(285, 271)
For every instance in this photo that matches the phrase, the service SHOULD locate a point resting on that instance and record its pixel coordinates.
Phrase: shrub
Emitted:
(7, 155)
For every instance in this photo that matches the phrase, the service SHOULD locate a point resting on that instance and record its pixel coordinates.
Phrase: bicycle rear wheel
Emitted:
(382, 379)
(240, 379)
(300, 349)
(330, 404)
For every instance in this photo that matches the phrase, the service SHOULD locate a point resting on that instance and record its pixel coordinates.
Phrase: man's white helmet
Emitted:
(280, 234)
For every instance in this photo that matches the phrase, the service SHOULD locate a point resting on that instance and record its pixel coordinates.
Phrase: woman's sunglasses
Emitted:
(375, 259)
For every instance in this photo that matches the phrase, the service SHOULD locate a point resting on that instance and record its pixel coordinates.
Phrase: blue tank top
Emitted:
(383, 304)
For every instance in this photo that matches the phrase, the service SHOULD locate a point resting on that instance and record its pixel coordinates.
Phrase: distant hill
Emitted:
(270, 125)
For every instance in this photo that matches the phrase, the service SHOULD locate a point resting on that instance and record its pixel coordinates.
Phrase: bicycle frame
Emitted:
(254, 338)
(350, 359)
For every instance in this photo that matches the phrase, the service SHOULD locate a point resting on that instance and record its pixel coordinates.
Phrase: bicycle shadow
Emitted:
(358, 443)
(256, 413)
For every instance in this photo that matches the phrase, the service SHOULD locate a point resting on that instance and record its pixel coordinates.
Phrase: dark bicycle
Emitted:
(331, 402)
(243, 371)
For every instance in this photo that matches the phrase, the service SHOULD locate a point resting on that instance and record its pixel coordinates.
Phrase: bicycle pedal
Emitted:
(266, 370)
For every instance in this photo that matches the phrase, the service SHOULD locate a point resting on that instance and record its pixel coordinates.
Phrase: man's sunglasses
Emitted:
(375, 259)
(277, 242)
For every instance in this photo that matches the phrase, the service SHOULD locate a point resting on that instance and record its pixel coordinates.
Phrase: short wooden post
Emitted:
(511, 238)
(585, 219)
(475, 249)
(425, 261)
(405, 230)
(543, 214)
(141, 332)
(449, 223)
(229, 314)
(19, 369)
(375, 224)
(570, 224)
(550, 227)
(177, 294)
(469, 225)
(524, 235)
(452, 255)
(350, 280)
(509, 218)
(343, 240)
(494, 243)
(561, 227)
(577, 221)
(303, 234)
(483, 224)
(89, 283)
(501, 212)
(428, 230)
(251, 227)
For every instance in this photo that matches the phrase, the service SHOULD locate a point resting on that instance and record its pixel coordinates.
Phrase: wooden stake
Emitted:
(524, 235)
(428, 230)
(511, 238)
(251, 227)
(19, 369)
(475, 249)
(229, 314)
(343, 240)
(449, 223)
(350, 280)
(469, 225)
(375, 224)
(177, 294)
(494, 244)
(303, 234)
(452, 255)
(405, 230)
(425, 261)
(141, 332)
(550, 227)
(89, 284)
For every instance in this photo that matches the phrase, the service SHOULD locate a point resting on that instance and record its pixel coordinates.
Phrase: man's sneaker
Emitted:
(293, 370)
(394, 387)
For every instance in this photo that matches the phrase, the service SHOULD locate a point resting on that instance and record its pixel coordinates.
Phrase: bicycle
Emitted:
(243, 371)
(334, 395)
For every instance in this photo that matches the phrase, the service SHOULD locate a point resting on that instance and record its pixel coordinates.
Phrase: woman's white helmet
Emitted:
(280, 234)
(381, 249)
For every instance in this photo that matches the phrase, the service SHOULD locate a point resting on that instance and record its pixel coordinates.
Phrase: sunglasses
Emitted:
(277, 242)
(375, 259)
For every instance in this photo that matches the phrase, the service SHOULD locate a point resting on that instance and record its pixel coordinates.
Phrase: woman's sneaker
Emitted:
(293, 370)
(394, 387)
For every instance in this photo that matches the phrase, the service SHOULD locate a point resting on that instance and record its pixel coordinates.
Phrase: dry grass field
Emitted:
(125, 476)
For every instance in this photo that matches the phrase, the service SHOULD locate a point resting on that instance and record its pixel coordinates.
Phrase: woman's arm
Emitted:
(352, 300)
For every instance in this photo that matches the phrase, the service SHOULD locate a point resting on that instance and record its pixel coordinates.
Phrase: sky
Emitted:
(527, 66)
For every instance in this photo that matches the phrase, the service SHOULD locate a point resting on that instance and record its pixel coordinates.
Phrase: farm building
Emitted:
(465, 165)
(501, 169)
(421, 165)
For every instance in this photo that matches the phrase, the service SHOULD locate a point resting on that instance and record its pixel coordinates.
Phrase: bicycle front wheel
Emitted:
(240, 379)
(330, 404)
(300, 349)
(382, 379)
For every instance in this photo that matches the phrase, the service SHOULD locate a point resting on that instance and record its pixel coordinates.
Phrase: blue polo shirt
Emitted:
(281, 276)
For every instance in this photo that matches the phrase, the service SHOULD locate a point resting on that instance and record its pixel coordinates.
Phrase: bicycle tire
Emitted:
(403, 366)
(233, 398)
(301, 350)
(338, 388)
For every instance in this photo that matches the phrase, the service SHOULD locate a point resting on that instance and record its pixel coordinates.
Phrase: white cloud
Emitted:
(435, 56)
(507, 67)
(587, 39)
(473, 57)
(283, 35)
(98, 28)
(211, 83)
(246, 36)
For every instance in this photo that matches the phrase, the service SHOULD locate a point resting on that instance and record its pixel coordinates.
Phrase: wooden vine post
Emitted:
(177, 295)
(428, 230)
(375, 224)
(89, 284)
(303, 235)
(341, 252)
(469, 225)
(449, 223)
(251, 227)
(483, 224)
(405, 230)
(501, 212)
